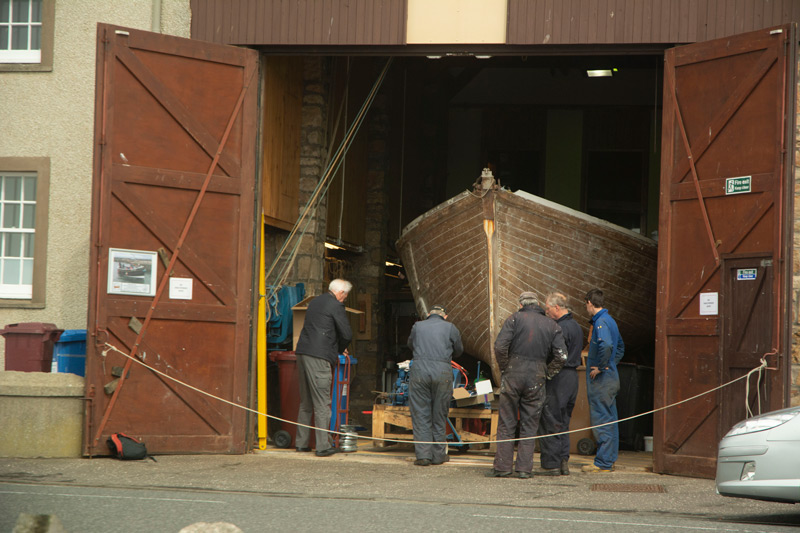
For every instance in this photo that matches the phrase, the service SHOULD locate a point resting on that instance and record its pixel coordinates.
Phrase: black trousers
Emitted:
(562, 392)
(522, 393)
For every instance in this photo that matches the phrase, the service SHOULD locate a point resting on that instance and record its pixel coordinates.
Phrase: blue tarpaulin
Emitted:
(279, 325)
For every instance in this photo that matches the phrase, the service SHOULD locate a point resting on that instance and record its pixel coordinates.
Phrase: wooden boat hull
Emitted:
(478, 251)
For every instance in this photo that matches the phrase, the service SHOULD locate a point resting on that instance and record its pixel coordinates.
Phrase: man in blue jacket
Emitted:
(602, 381)
(435, 342)
(326, 333)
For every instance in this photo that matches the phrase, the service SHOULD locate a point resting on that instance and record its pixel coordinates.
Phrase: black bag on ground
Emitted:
(125, 447)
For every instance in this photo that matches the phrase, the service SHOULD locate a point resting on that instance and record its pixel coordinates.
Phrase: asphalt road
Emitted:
(286, 491)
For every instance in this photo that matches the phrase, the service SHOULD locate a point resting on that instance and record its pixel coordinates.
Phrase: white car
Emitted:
(759, 458)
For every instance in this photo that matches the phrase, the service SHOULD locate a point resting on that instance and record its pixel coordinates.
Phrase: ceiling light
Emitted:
(434, 57)
(600, 73)
(390, 264)
(483, 57)
(331, 246)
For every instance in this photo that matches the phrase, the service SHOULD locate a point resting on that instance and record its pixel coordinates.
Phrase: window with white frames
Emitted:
(17, 233)
(21, 31)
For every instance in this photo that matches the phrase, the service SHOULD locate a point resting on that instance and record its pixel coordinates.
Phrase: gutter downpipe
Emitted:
(155, 20)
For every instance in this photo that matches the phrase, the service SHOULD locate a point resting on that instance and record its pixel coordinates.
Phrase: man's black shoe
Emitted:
(303, 449)
(445, 460)
(497, 473)
(423, 462)
(548, 472)
(326, 452)
(564, 467)
(522, 475)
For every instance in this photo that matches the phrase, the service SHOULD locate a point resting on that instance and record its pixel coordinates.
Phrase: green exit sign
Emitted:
(738, 185)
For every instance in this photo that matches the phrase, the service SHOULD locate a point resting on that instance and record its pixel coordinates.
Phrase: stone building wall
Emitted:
(368, 269)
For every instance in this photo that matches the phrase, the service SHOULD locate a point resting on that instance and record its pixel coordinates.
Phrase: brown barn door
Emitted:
(172, 242)
(724, 238)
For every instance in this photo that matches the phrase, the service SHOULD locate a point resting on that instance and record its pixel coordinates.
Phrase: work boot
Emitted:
(326, 452)
(564, 467)
(445, 460)
(594, 469)
(423, 462)
(522, 475)
(548, 472)
(497, 473)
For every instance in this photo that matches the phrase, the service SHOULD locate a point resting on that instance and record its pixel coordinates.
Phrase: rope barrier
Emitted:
(758, 370)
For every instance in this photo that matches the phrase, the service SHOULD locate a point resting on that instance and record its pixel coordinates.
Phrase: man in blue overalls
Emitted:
(602, 381)
(435, 342)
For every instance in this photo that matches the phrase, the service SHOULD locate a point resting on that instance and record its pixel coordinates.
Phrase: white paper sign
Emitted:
(180, 288)
(709, 303)
(483, 387)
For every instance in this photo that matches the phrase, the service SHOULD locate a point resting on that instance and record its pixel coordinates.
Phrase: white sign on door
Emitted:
(709, 303)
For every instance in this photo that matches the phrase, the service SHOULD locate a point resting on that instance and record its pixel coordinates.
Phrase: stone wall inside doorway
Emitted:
(365, 269)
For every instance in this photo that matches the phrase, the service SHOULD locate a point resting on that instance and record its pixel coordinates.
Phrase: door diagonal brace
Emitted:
(700, 199)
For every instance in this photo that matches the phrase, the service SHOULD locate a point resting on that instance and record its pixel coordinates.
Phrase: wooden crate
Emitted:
(400, 416)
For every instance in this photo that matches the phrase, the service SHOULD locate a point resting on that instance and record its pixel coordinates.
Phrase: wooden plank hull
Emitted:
(478, 251)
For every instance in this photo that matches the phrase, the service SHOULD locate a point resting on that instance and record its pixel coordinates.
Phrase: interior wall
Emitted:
(564, 157)
(302, 258)
(464, 161)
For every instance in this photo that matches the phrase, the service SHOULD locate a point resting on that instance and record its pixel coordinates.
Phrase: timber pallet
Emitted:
(400, 416)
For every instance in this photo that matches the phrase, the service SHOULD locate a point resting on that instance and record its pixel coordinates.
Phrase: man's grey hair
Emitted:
(528, 300)
(437, 310)
(556, 298)
(338, 285)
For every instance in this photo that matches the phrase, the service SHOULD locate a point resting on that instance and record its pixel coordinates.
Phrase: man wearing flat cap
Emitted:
(529, 349)
(435, 342)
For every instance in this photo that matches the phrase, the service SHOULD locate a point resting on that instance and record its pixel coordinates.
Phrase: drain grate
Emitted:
(627, 487)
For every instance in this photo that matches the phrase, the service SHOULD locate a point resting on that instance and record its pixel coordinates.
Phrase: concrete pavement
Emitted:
(388, 474)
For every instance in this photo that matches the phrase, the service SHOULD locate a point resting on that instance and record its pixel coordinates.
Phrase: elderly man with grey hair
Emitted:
(435, 342)
(562, 391)
(529, 350)
(326, 334)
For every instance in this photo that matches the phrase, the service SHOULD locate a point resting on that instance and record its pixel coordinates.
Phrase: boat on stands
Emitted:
(477, 252)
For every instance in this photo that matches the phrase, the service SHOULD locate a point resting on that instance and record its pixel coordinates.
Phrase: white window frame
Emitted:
(29, 54)
(30, 60)
(22, 288)
(40, 167)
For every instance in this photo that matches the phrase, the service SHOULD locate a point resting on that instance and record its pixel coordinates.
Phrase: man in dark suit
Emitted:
(326, 333)
(561, 391)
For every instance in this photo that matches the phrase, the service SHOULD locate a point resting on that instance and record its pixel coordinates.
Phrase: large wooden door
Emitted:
(726, 191)
(174, 175)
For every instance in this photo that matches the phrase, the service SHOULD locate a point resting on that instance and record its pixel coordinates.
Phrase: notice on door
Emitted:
(738, 185)
(131, 272)
(709, 303)
(180, 288)
(746, 274)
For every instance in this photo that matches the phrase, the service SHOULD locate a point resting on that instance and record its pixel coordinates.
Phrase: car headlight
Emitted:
(761, 423)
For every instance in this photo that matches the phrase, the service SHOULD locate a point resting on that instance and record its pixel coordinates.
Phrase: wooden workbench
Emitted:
(400, 416)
